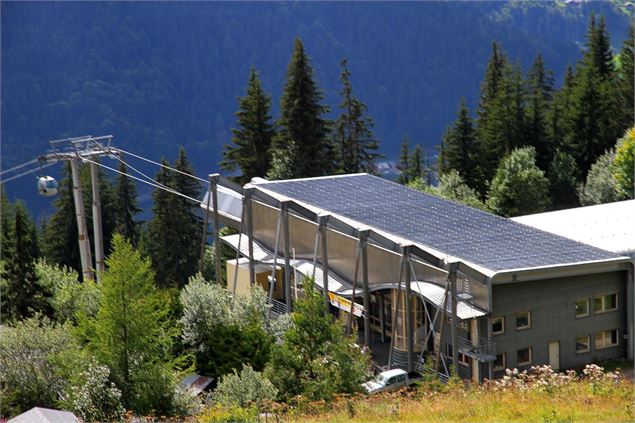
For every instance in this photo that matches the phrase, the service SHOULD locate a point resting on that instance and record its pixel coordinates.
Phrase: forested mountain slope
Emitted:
(159, 75)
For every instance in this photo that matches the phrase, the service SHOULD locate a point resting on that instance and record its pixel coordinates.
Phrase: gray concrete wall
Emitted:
(552, 306)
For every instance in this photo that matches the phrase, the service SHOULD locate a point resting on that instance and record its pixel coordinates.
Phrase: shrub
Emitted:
(233, 414)
(30, 353)
(244, 388)
(94, 397)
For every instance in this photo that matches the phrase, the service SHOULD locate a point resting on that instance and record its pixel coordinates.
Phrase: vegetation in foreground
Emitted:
(540, 395)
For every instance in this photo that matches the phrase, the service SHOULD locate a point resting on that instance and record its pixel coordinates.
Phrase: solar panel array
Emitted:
(493, 242)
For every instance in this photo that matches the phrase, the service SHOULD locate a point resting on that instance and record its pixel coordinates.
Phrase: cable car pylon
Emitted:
(76, 150)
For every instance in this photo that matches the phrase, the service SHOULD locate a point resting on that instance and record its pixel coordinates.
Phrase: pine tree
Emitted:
(404, 161)
(461, 149)
(599, 48)
(127, 207)
(352, 135)
(539, 94)
(174, 232)
(21, 296)
(251, 140)
(301, 118)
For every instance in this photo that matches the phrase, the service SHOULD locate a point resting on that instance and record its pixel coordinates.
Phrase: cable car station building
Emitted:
(433, 283)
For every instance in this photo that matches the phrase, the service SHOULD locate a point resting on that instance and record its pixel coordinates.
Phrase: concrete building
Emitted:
(430, 282)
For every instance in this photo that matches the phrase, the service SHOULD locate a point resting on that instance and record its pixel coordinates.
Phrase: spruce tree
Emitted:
(415, 167)
(175, 230)
(352, 133)
(127, 207)
(562, 175)
(539, 94)
(404, 161)
(301, 118)
(251, 140)
(60, 239)
(461, 149)
(491, 82)
(593, 122)
(626, 72)
(21, 296)
(505, 126)
(559, 110)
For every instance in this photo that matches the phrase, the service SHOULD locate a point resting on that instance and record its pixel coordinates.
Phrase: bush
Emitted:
(30, 352)
(315, 358)
(69, 295)
(94, 397)
(244, 388)
(226, 332)
(234, 414)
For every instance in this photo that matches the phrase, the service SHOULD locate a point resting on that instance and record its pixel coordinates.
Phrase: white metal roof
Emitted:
(610, 227)
(45, 415)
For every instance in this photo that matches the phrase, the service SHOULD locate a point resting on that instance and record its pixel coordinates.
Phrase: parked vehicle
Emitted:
(387, 381)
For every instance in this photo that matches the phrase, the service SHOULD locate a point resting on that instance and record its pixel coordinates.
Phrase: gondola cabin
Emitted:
(47, 186)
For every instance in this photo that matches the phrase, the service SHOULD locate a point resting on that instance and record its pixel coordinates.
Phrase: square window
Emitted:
(523, 320)
(582, 344)
(464, 359)
(498, 325)
(605, 303)
(524, 357)
(500, 362)
(606, 339)
(582, 307)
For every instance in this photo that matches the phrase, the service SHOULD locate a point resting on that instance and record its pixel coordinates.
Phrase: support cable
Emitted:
(11, 178)
(159, 164)
(18, 166)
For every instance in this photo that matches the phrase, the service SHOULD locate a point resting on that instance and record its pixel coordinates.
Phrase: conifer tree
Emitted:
(593, 122)
(127, 207)
(404, 161)
(301, 118)
(539, 94)
(174, 232)
(251, 140)
(415, 167)
(131, 333)
(21, 296)
(559, 110)
(562, 176)
(626, 70)
(352, 135)
(505, 127)
(461, 149)
(491, 82)
(60, 239)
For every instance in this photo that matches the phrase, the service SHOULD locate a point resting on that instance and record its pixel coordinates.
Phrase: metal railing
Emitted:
(277, 308)
(483, 351)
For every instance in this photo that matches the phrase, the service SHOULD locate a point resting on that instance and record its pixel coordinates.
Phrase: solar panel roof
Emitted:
(482, 238)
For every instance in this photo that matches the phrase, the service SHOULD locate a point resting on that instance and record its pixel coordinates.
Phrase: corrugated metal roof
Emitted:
(478, 237)
(608, 226)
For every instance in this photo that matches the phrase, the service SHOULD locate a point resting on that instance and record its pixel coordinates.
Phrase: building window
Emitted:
(606, 339)
(500, 362)
(498, 325)
(582, 344)
(523, 320)
(524, 357)
(464, 359)
(605, 303)
(448, 350)
(582, 307)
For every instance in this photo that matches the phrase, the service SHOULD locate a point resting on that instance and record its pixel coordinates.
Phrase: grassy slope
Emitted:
(573, 403)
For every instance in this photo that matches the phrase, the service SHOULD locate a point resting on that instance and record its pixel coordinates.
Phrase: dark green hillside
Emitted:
(159, 75)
